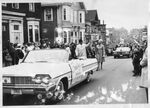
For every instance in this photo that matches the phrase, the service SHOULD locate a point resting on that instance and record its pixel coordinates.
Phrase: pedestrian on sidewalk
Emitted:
(144, 83)
(19, 53)
(100, 53)
(12, 53)
(7, 59)
(136, 61)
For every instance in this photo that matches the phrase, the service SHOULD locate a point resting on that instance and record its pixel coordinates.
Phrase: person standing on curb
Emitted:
(144, 75)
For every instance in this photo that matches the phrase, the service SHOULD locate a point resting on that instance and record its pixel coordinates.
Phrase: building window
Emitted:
(33, 31)
(69, 37)
(16, 27)
(15, 5)
(36, 33)
(48, 14)
(76, 41)
(64, 13)
(3, 28)
(80, 35)
(75, 34)
(30, 33)
(4, 4)
(65, 37)
(31, 7)
(71, 33)
(80, 18)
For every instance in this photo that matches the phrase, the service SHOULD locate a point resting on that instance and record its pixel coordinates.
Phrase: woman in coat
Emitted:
(144, 75)
(100, 53)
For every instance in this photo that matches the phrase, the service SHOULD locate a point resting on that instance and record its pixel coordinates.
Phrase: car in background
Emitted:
(121, 52)
(47, 74)
(109, 51)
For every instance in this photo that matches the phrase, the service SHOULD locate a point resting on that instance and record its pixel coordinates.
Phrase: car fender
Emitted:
(59, 78)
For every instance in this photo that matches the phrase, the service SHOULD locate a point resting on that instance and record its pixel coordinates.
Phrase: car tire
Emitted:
(114, 56)
(61, 91)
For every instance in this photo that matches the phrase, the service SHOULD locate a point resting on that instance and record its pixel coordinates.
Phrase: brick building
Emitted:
(32, 22)
(94, 29)
(92, 22)
(20, 23)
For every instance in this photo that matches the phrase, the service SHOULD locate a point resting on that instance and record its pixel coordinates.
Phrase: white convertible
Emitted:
(47, 73)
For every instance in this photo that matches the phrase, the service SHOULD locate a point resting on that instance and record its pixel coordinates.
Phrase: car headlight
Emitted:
(37, 80)
(6, 80)
(41, 79)
(46, 80)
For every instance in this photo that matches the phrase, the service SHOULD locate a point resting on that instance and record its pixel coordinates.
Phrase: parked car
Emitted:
(46, 73)
(122, 51)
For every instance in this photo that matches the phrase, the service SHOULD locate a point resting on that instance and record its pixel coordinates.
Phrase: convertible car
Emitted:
(46, 73)
(121, 52)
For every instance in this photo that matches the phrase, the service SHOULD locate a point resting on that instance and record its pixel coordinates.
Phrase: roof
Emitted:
(82, 5)
(91, 15)
(55, 4)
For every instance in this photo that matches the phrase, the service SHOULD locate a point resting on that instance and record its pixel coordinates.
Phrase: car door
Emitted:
(77, 70)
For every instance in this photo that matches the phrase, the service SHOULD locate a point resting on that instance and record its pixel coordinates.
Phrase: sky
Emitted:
(121, 13)
(115, 13)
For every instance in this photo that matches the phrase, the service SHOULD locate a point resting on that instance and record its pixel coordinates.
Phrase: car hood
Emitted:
(31, 69)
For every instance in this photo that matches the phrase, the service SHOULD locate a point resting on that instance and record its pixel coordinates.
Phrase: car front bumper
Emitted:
(27, 89)
(121, 54)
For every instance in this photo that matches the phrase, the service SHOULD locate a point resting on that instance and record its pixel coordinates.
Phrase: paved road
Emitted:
(112, 85)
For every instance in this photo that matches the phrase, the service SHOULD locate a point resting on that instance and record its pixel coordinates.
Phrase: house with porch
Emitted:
(64, 20)
(20, 23)
(94, 29)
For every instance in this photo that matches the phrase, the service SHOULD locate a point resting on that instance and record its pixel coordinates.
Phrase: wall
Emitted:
(48, 27)
(24, 9)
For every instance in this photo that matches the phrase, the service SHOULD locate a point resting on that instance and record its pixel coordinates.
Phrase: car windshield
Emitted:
(123, 49)
(52, 55)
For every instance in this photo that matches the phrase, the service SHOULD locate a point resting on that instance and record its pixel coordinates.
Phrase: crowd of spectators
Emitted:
(140, 64)
(14, 53)
(137, 55)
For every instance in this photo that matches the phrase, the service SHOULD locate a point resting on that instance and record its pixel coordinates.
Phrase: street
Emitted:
(114, 84)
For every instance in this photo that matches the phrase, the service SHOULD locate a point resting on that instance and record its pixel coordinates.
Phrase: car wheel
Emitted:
(114, 56)
(60, 91)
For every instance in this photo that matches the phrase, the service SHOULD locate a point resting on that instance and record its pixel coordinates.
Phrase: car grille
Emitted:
(22, 80)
